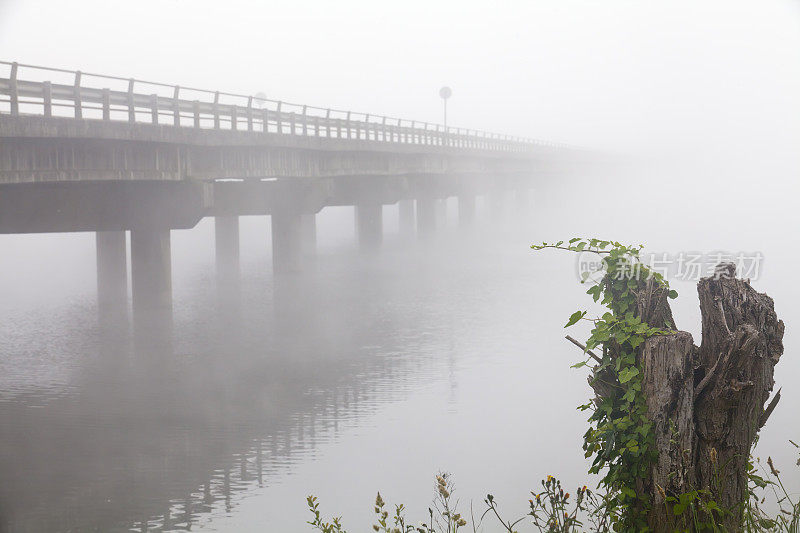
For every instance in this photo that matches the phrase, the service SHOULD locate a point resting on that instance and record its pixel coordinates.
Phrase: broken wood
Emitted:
(583, 347)
(706, 403)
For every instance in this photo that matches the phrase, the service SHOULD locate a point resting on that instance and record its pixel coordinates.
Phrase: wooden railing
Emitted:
(81, 95)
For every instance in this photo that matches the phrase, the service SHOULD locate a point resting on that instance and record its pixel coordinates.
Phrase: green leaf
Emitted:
(627, 374)
(595, 291)
(630, 395)
(672, 294)
(574, 317)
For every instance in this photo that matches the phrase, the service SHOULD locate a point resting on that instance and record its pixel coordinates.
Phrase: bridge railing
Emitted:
(83, 95)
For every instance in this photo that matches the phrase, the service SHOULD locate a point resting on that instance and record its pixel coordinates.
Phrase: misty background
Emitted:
(447, 355)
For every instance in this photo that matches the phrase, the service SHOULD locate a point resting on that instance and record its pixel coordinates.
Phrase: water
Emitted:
(368, 373)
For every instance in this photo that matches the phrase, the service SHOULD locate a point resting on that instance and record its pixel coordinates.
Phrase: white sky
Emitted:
(586, 72)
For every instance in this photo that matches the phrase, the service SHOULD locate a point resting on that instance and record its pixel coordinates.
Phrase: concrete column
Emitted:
(426, 216)
(308, 231)
(406, 217)
(226, 247)
(151, 270)
(112, 274)
(466, 210)
(369, 225)
(286, 241)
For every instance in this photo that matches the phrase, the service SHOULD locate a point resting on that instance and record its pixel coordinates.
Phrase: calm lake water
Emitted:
(369, 372)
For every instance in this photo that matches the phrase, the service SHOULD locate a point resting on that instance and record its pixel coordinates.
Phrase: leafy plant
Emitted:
(619, 439)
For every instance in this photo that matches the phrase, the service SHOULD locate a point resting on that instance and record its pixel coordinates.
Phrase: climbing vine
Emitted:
(619, 438)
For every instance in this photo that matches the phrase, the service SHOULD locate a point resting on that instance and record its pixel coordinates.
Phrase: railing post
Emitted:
(154, 108)
(305, 122)
(13, 91)
(383, 127)
(292, 123)
(349, 133)
(413, 132)
(176, 106)
(47, 89)
(216, 110)
(77, 93)
(316, 125)
(279, 117)
(328, 123)
(106, 104)
(366, 126)
(250, 113)
(196, 112)
(234, 117)
(131, 107)
(265, 119)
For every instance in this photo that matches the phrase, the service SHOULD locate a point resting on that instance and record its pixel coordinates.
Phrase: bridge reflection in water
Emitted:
(162, 427)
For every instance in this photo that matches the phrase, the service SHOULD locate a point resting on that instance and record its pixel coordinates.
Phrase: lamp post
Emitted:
(445, 93)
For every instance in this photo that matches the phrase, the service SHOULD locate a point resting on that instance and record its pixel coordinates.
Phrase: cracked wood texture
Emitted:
(742, 342)
(711, 397)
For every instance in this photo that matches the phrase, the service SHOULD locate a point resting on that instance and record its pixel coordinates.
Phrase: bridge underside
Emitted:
(51, 207)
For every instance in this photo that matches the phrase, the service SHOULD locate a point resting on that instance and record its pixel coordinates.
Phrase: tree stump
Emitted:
(707, 403)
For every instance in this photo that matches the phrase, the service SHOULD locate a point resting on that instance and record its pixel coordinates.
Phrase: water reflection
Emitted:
(172, 418)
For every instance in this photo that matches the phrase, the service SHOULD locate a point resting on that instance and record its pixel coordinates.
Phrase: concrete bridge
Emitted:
(86, 152)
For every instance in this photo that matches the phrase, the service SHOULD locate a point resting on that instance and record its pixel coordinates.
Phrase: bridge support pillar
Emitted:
(406, 217)
(426, 216)
(308, 231)
(226, 239)
(286, 241)
(466, 210)
(151, 272)
(369, 225)
(112, 274)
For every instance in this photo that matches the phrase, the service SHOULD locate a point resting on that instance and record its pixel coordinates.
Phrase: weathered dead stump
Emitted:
(742, 342)
(706, 404)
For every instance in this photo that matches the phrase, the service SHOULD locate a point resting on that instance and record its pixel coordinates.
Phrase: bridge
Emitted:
(88, 152)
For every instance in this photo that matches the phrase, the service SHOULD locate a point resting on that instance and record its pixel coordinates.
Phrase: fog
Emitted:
(373, 371)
